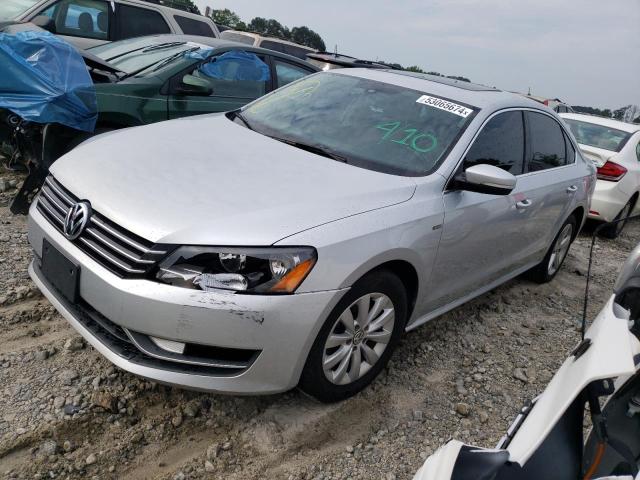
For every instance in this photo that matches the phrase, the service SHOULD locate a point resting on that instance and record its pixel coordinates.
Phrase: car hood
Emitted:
(207, 180)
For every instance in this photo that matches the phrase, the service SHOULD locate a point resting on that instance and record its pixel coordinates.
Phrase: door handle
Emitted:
(572, 189)
(523, 204)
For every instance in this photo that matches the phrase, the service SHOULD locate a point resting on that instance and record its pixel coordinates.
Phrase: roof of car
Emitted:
(220, 43)
(345, 60)
(479, 96)
(605, 122)
(257, 35)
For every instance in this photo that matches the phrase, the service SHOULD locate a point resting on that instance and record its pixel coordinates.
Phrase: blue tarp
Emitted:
(236, 65)
(43, 79)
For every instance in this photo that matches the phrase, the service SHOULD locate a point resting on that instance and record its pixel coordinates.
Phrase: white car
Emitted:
(546, 441)
(614, 147)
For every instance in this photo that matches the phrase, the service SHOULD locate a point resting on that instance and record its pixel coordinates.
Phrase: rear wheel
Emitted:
(613, 231)
(557, 253)
(358, 338)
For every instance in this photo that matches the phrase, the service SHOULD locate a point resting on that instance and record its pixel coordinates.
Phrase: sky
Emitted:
(585, 52)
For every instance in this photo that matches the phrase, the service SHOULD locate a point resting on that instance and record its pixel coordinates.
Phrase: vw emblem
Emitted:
(76, 220)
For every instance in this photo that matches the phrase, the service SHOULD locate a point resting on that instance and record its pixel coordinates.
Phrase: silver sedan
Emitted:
(294, 241)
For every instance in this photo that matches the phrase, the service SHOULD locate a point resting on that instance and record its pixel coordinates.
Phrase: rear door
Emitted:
(227, 92)
(482, 234)
(549, 184)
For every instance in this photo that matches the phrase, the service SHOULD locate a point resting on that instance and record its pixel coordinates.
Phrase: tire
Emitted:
(336, 372)
(613, 231)
(546, 270)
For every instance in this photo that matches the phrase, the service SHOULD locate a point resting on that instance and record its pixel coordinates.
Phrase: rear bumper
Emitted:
(607, 201)
(116, 316)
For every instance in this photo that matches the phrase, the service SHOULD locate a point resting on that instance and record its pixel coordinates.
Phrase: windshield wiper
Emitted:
(317, 149)
(162, 46)
(238, 114)
(162, 63)
(170, 59)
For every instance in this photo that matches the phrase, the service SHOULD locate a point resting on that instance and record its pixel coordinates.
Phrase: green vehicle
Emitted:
(149, 79)
(165, 76)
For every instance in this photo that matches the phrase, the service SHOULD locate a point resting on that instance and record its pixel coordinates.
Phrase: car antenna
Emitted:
(593, 243)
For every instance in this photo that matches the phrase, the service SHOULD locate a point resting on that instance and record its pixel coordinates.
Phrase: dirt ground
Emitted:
(65, 412)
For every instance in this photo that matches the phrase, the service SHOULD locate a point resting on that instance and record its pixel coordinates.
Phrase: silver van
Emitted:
(87, 23)
(271, 43)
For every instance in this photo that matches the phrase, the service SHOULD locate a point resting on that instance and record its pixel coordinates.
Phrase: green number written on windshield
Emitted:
(412, 138)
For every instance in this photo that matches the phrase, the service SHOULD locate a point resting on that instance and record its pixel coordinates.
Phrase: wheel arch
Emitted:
(407, 274)
(580, 214)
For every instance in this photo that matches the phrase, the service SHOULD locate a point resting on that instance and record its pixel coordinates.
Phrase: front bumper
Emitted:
(279, 329)
(607, 201)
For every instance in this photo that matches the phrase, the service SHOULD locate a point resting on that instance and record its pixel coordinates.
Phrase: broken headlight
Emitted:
(248, 270)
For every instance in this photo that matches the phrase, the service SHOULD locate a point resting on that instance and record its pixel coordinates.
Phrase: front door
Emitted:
(234, 80)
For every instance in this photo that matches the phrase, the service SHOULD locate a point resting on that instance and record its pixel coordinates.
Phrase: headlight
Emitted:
(250, 270)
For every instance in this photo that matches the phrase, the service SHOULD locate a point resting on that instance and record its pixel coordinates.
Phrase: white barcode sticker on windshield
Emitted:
(445, 105)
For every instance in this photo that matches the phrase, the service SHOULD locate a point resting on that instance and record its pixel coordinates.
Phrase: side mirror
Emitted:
(192, 85)
(44, 22)
(487, 179)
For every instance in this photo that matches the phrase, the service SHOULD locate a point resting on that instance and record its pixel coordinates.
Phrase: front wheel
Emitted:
(546, 270)
(357, 340)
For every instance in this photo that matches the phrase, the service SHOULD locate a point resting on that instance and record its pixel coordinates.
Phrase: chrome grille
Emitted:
(118, 250)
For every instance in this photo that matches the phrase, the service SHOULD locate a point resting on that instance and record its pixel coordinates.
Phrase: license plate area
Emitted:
(61, 272)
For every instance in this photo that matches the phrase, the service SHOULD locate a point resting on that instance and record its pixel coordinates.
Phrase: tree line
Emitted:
(302, 35)
(618, 114)
(305, 36)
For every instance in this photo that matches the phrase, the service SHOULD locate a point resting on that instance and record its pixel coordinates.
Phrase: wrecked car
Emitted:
(547, 440)
(135, 82)
(294, 241)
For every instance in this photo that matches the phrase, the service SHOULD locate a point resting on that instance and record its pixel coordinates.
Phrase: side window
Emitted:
(638, 151)
(81, 18)
(136, 22)
(190, 26)
(287, 73)
(547, 145)
(571, 152)
(235, 74)
(500, 143)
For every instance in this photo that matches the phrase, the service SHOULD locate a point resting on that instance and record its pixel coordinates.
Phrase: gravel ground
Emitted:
(65, 412)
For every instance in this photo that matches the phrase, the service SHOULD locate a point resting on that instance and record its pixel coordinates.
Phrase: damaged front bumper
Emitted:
(213, 341)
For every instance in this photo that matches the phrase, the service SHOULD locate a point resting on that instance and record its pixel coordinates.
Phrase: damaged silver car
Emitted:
(293, 241)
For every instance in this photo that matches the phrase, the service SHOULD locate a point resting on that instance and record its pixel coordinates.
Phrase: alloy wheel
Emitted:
(358, 338)
(560, 249)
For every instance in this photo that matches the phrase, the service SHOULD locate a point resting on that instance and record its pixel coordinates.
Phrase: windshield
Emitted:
(135, 54)
(598, 136)
(11, 9)
(237, 37)
(371, 124)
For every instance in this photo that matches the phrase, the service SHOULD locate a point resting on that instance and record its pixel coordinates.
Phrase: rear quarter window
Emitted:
(137, 22)
(191, 26)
